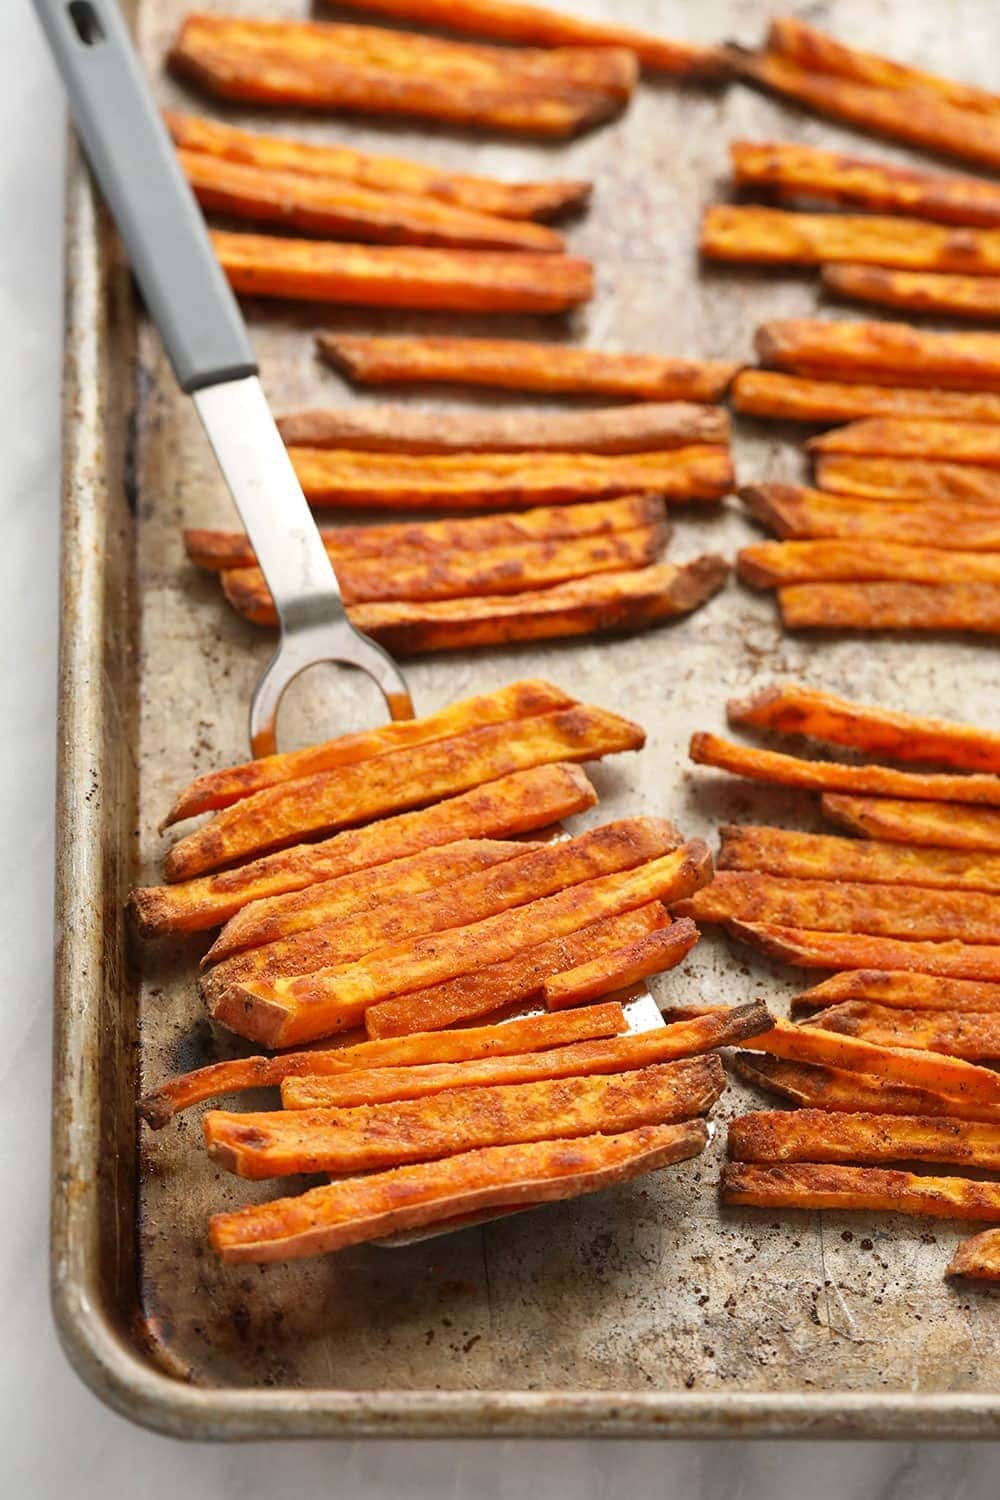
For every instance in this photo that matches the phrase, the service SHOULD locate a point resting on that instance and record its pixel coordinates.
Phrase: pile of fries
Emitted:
(890, 1064)
(418, 907)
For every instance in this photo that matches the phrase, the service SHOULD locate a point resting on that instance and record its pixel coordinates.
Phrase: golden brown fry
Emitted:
(835, 1089)
(450, 1191)
(793, 398)
(938, 823)
(973, 607)
(815, 1135)
(516, 364)
(822, 775)
(533, 1032)
(492, 987)
(812, 856)
(971, 1036)
(282, 1142)
(885, 353)
(978, 1257)
(583, 1059)
(795, 708)
(642, 428)
(386, 174)
(918, 992)
(911, 480)
(860, 1189)
(487, 281)
(852, 950)
(396, 781)
(621, 968)
(536, 26)
(770, 565)
(976, 297)
(299, 1009)
(791, 170)
(797, 512)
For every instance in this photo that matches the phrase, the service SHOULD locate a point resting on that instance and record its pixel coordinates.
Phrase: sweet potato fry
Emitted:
(972, 1036)
(517, 365)
(885, 353)
(792, 171)
(386, 174)
(822, 775)
(348, 211)
(396, 781)
(298, 1009)
(780, 237)
(536, 26)
(860, 1189)
(973, 607)
(793, 398)
(796, 512)
(812, 856)
(644, 427)
(513, 568)
(978, 1256)
(282, 1142)
(828, 1088)
(916, 822)
(527, 800)
(917, 992)
(468, 897)
(218, 789)
(771, 565)
(486, 281)
(369, 1208)
(917, 117)
(493, 987)
(795, 708)
(814, 49)
(527, 1035)
(621, 968)
(976, 297)
(814, 1135)
(911, 480)
(852, 950)
(583, 1059)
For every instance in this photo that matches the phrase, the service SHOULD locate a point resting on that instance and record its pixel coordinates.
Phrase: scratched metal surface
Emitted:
(644, 1311)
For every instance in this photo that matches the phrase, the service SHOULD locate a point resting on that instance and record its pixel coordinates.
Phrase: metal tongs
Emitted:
(205, 338)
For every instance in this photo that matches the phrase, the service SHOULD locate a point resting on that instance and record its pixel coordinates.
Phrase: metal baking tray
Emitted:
(644, 1311)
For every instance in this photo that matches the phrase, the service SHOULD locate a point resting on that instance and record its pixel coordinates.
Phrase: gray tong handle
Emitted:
(134, 161)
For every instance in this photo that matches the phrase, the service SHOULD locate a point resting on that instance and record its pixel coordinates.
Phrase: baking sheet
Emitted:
(643, 1311)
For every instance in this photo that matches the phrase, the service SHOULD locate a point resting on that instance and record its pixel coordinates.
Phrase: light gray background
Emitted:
(54, 1436)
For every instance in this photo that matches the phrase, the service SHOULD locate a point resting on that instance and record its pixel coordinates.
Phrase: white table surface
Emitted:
(55, 1438)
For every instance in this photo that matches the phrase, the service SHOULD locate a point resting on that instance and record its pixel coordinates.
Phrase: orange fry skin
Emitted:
(978, 1257)
(847, 950)
(797, 513)
(976, 297)
(907, 991)
(769, 565)
(885, 353)
(816, 1135)
(795, 398)
(922, 481)
(812, 856)
(622, 968)
(972, 1036)
(859, 1189)
(973, 607)
(821, 1087)
(936, 823)
(951, 442)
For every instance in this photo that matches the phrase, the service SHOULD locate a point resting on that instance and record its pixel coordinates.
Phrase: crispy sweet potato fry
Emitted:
(778, 236)
(913, 480)
(917, 992)
(885, 353)
(386, 174)
(815, 1135)
(976, 297)
(771, 565)
(536, 26)
(529, 1034)
(796, 512)
(640, 1050)
(916, 822)
(348, 211)
(487, 281)
(835, 1089)
(972, 1036)
(492, 987)
(468, 897)
(791, 171)
(812, 856)
(860, 1189)
(385, 1135)
(644, 427)
(218, 789)
(822, 775)
(852, 950)
(366, 1208)
(300, 1009)
(527, 800)
(978, 1256)
(793, 398)
(396, 781)
(795, 708)
(516, 364)
(621, 968)
(973, 607)
(917, 117)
